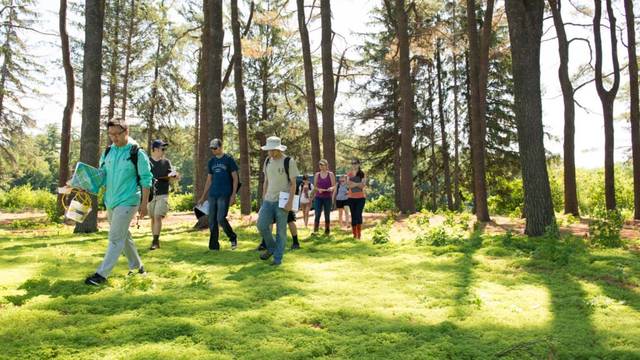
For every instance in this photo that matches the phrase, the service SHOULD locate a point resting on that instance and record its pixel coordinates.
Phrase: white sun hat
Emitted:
(274, 143)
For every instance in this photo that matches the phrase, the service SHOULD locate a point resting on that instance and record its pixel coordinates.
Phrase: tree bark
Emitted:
(328, 96)
(406, 109)
(309, 86)
(443, 130)
(525, 19)
(634, 115)
(65, 137)
(91, 97)
(115, 58)
(479, 69)
(456, 131)
(432, 140)
(127, 60)
(241, 111)
(607, 97)
(203, 137)
(212, 81)
(397, 157)
(570, 187)
(153, 97)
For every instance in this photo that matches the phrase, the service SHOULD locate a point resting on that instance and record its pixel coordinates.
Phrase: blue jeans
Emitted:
(218, 208)
(269, 211)
(319, 205)
(357, 206)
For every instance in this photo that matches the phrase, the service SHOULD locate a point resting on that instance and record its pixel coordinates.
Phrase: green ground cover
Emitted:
(483, 297)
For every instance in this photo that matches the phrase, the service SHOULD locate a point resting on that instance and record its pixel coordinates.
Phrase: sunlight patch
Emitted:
(518, 306)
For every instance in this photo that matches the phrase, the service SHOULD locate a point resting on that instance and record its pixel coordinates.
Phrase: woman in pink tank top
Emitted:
(324, 188)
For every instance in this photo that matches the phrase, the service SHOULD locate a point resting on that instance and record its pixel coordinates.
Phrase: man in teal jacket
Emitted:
(122, 198)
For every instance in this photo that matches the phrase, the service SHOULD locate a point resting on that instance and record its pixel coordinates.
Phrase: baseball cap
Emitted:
(158, 143)
(215, 143)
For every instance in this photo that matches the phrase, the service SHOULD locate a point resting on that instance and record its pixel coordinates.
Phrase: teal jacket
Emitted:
(120, 176)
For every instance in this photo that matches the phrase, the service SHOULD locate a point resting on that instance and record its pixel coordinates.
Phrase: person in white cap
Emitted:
(280, 173)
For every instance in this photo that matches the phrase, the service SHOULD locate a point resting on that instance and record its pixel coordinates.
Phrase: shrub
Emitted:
(381, 232)
(181, 202)
(605, 227)
(441, 236)
(24, 198)
(380, 204)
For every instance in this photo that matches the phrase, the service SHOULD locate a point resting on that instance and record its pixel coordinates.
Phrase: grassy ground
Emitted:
(490, 296)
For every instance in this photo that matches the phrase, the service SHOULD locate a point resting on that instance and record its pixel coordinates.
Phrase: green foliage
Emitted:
(381, 232)
(382, 203)
(605, 227)
(507, 197)
(25, 198)
(181, 202)
(198, 279)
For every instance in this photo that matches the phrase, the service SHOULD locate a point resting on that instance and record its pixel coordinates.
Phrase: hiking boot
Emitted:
(234, 244)
(155, 245)
(214, 246)
(262, 246)
(265, 255)
(276, 263)
(295, 246)
(140, 271)
(95, 280)
(327, 231)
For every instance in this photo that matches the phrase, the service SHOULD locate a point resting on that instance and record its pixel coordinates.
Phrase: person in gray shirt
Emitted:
(280, 176)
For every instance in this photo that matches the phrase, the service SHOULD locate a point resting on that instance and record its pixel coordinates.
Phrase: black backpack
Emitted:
(133, 156)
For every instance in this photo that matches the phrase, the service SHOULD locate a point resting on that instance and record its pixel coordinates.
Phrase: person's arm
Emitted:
(146, 179)
(333, 185)
(234, 176)
(315, 184)
(205, 191)
(292, 194)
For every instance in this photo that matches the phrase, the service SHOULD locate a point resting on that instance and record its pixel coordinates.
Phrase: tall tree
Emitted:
(328, 96)
(65, 136)
(443, 129)
(18, 74)
(213, 71)
(525, 19)
(570, 187)
(114, 62)
(406, 109)
(309, 86)
(128, 57)
(241, 111)
(91, 98)
(607, 97)
(478, 75)
(634, 116)
(456, 121)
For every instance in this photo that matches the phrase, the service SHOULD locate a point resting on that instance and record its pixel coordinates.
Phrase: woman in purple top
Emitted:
(324, 187)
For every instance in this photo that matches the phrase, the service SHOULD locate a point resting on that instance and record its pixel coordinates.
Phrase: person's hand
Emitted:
(288, 207)
(143, 210)
(201, 200)
(232, 200)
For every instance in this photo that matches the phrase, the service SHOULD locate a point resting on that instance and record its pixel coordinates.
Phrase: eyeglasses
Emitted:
(115, 134)
(163, 149)
(214, 148)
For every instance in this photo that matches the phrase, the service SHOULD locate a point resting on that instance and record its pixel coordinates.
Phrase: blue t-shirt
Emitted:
(220, 170)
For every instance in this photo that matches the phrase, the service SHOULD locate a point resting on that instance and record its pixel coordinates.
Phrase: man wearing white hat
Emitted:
(280, 176)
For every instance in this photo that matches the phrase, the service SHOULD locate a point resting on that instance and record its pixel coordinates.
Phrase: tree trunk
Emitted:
(443, 130)
(634, 116)
(113, 67)
(525, 31)
(127, 60)
(6, 49)
(198, 179)
(309, 86)
(397, 156)
(479, 69)
(91, 96)
(212, 69)
(65, 137)
(203, 137)
(261, 138)
(432, 140)
(153, 98)
(241, 111)
(406, 110)
(607, 98)
(456, 136)
(570, 187)
(328, 96)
